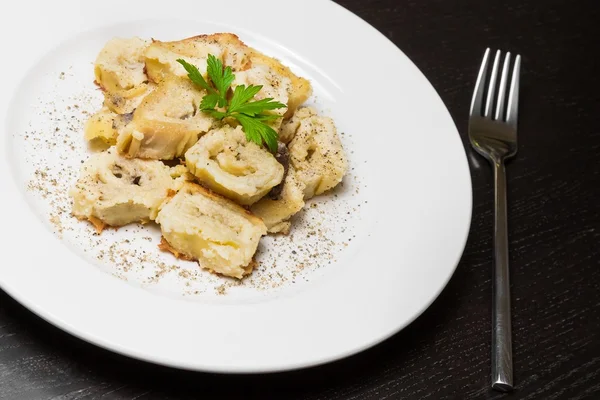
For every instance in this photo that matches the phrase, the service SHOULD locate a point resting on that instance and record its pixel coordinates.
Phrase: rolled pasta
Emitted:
(116, 191)
(249, 65)
(317, 155)
(199, 225)
(161, 57)
(120, 72)
(224, 161)
(167, 123)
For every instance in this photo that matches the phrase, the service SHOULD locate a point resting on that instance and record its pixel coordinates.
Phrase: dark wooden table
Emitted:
(554, 219)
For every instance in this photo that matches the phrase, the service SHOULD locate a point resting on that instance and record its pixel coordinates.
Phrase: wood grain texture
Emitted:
(554, 228)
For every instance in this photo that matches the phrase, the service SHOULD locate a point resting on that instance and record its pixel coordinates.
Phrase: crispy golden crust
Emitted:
(226, 45)
(217, 38)
(98, 224)
(102, 89)
(166, 247)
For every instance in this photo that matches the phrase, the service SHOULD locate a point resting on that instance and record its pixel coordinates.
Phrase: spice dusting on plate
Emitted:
(54, 152)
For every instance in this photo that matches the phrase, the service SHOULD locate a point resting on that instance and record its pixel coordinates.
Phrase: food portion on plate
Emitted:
(210, 139)
(113, 190)
(200, 225)
(225, 162)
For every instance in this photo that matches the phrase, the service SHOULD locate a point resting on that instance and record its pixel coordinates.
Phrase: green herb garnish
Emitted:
(239, 105)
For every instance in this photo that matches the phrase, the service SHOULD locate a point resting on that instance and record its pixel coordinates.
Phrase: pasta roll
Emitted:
(202, 226)
(161, 57)
(224, 161)
(116, 191)
(167, 123)
(249, 65)
(119, 71)
(317, 155)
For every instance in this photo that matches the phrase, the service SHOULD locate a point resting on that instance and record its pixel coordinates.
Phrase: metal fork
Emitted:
(493, 134)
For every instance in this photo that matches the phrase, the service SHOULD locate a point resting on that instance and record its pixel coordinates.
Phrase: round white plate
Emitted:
(361, 263)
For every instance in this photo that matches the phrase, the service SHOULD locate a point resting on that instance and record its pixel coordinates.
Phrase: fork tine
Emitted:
(502, 89)
(479, 91)
(489, 104)
(513, 96)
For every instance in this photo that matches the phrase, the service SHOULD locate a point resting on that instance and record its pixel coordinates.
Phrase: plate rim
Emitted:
(48, 316)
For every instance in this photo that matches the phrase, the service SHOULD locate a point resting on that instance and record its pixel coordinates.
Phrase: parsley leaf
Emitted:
(195, 75)
(216, 114)
(256, 107)
(243, 94)
(267, 117)
(209, 102)
(221, 77)
(250, 114)
(257, 131)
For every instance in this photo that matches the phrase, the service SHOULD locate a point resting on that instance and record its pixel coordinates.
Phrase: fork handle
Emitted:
(502, 368)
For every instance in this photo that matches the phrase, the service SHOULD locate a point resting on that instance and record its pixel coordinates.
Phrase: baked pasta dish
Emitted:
(208, 138)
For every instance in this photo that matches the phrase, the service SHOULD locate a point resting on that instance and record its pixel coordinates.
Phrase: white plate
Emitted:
(360, 265)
